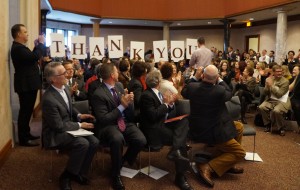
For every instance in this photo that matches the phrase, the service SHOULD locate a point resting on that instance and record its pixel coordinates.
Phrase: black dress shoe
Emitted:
(282, 132)
(31, 137)
(182, 183)
(117, 183)
(176, 155)
(82, 180)
(29, 143)
(135, 164)
(65, 182)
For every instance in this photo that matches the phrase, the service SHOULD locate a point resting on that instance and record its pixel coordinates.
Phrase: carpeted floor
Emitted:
(29, 168)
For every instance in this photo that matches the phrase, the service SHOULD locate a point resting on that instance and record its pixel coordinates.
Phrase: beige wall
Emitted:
(147, 36)
(5, 109)
(267, 36)
(214, 37)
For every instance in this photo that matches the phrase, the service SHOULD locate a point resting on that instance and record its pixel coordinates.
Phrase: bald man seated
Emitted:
(211, 123)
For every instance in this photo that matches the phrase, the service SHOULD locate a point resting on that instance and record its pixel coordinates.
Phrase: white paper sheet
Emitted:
(249, 156)
(154, 172)
(127, 172)
(283, 98)
(80, 132)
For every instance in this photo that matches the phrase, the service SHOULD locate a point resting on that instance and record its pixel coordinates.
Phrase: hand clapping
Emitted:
(126, 98)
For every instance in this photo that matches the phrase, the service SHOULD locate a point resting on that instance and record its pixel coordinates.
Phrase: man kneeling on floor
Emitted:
(211, 123)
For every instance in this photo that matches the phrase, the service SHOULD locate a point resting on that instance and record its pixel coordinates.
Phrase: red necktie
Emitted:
(121, 122)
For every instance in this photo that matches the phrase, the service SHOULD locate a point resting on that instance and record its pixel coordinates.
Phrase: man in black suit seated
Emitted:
(211, 123)
(155, 108)
(76, 85)
(114, 112)
(27, 79)
(59, 117)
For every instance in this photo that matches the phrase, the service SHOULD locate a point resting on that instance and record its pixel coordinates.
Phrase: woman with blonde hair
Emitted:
(286, 73)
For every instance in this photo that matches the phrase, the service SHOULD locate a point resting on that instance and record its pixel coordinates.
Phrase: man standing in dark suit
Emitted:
(231, 56)
(155, 108)
(211, 123)
(59, 117)
(114, 113)
(27, 79)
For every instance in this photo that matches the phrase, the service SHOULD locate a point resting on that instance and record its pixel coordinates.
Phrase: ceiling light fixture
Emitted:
(209, 22)
(110, 22)
(251, 19)
(178, 24)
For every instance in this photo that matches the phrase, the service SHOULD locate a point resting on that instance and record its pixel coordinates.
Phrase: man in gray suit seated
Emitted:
(59, 117)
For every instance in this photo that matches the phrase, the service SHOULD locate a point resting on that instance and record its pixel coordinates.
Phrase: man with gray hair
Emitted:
(155, 109)
(59, 117)
(211, 123)
(202, 56)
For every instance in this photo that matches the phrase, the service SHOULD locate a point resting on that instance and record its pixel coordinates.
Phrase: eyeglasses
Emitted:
(61, 74)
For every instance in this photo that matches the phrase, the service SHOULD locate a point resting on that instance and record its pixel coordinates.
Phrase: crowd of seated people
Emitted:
(123, 92)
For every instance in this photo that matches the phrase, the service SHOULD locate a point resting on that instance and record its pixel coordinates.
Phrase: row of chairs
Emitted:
(182, 107)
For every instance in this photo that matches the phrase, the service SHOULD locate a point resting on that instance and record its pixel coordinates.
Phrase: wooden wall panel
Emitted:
(236, 7)
(163, 9)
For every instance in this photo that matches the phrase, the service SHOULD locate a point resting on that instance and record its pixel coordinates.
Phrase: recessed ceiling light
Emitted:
(178, 24)
(110, 22)
(208, 22)
(251, 19)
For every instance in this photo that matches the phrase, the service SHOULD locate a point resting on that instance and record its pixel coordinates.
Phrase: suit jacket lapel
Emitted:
(60, 98)
(108, 93)
(156, 98)
(67, 91)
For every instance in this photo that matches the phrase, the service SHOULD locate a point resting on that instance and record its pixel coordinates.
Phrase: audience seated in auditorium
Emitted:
(226, 73)
(211, 123)
(176, 77)
(275, 105)
(59, 116)
(231, 56)
(272, 56)
(245, 90)
(124, 72)
(155, 108)
(94, 84)
(294, 89)
(89, 74)
(76, 85)
(166, 84)
(264, 57)
(113, 109)
(137, 85)
(286, 73)
(290, 61)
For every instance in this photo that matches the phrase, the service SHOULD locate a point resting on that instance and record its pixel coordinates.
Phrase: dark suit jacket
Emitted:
(209, 119)
(296, 90)
(105, 108)
(27, 73)
(57, 118)
(92, 87)
(152, 116)
(136, 87)
(82, 92)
